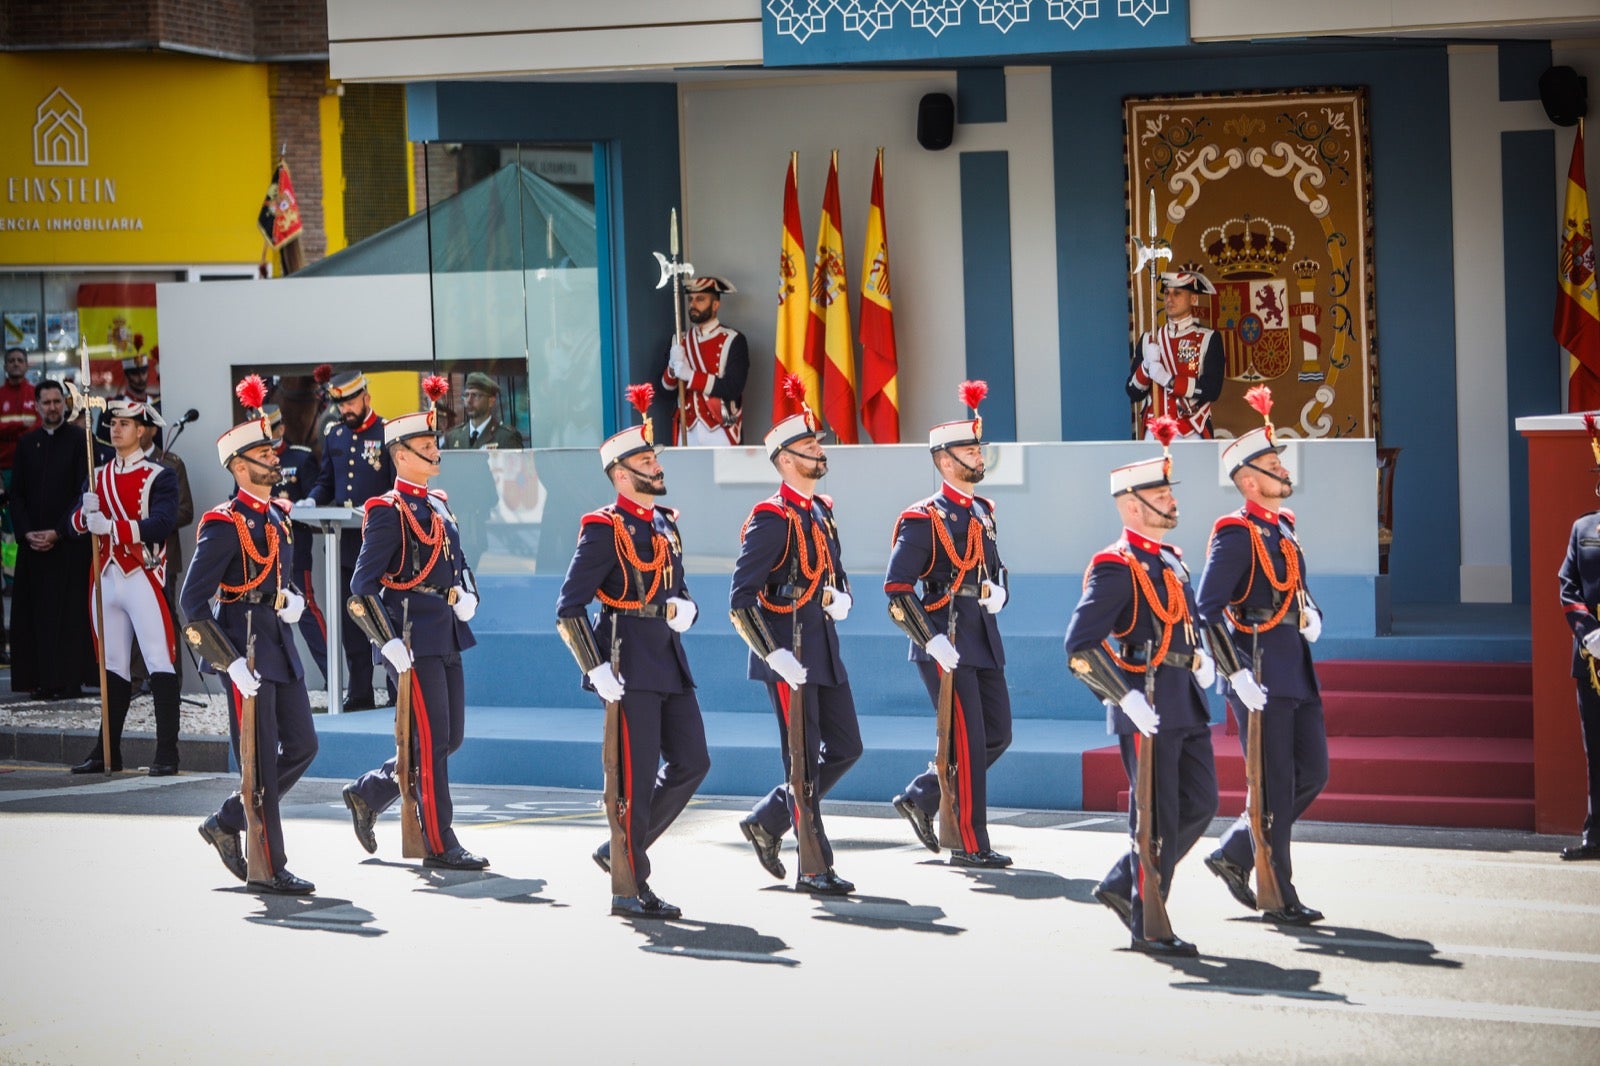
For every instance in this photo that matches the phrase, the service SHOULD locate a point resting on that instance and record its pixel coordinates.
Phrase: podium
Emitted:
(332, 521)
(1561, 487)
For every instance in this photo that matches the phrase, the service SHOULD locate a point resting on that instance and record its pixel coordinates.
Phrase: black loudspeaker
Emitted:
(936, 121)
(1564, 94)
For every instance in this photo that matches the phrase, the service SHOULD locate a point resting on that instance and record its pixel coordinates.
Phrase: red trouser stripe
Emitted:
(958, 723)
(627, 795)
(419, 718)
(166, 617)
(1138, 743)
(311, 603)
(238, 716)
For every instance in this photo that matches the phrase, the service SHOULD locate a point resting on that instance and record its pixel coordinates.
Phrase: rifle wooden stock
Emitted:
(623, 882)
(411, 846)
(1156, 924)
(805, 826)
(257, 866)
(1269, 894)
(944, 763)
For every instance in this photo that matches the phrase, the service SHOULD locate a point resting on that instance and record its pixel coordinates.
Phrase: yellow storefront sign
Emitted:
(131, 159)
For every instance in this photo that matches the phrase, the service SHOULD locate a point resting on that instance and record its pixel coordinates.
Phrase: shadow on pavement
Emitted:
(1019, 883)
(712, 941)
(481, 884)
(1365, 945)
(882, 912)
(324, 914)
(1248, 977)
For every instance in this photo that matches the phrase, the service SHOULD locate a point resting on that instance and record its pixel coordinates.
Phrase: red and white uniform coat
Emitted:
(1193, 355)
(712, 409)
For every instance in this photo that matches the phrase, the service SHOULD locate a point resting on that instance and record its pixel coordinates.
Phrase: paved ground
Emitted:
(124, 940)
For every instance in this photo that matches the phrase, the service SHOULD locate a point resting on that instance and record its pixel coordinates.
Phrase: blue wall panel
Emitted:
(986, 285)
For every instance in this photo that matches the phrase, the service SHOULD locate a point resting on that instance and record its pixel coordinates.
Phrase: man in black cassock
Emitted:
(49, 607)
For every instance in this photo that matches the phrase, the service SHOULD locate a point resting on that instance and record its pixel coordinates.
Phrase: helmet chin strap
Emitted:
(963, 465)
(660, 477)
(276, 470)
(1280, 479)
(1170, 516)
(406, 444)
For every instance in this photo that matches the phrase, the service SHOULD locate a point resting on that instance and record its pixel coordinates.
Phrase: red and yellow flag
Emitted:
(828, 340)
(880, 366)
(789, 346)
(1577, 325)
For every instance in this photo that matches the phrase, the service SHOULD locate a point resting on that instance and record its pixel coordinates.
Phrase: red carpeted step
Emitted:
(1462, 812)
(1412, 676)
(1427, 714)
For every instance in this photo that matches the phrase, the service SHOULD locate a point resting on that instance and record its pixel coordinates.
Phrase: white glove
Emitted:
(1249, 691)
(466, 604)
(1311, 624)
(1139, 712)
(98, 524)
(786, 666)
(678, 363)
(302, 504)
(91, 502)
(836, 603)
(607, 685)
(243, 679)
(943, 652)
(294, 605)
(395, 652)
(1158, 373)
(995, 598)
(1591, 643)
(684, 614)
(1205, 668)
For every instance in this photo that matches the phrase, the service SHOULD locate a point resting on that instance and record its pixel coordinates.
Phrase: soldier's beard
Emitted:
(649, 486)
(700, 316)
(265, 476)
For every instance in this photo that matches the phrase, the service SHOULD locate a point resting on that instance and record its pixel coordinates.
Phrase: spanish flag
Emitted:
(828, 340)
(1577, 307)
(880, 366)
(789, 346)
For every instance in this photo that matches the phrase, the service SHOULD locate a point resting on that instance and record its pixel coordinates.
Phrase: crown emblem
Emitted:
(1246, 248)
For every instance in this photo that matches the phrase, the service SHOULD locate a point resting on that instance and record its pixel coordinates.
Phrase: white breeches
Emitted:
(134, 606)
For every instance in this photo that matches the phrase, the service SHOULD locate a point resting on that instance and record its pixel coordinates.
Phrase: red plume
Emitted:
(973, 392)
(1165, 429)
(252, 392)
(794, 387)
(138, 342)
(434, 387)
(640, 396)
(1589, 423)
(1260, 397)
(322, 374)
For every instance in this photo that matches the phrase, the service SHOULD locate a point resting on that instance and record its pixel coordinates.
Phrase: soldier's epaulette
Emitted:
(329, 426)
(439, 494)
(1286, 513)
(601, 517)
(771, 505)
(386, 499)
(827, 501)
(918, 511)
(1112, 554)
(222, 512)
(300, 448)
(1229, 520)
(670, 512)
(1174, 549)
(282, 503)
(986, 502)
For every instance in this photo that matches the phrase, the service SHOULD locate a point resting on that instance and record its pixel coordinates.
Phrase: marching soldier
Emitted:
(240, 564)
(710, 366)
(949, 543)
(297, 473)
(1178, 369)
(1580, 599)
(789, 579)
(1261, 621)
(410, 570)
(1137, 615)
(630, 557)
(356, 466)
(132, 508)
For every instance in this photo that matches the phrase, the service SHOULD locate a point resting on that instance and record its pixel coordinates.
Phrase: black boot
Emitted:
(164, 690)
(119, 692)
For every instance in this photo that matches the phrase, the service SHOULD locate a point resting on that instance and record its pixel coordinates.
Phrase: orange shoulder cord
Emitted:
(434, 538)
(1263, 561)
(964, 563)
(247, 545)
(626, 553)
(811, 571)
(1171, 613)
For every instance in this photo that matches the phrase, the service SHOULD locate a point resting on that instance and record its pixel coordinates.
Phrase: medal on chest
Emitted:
(372, 452)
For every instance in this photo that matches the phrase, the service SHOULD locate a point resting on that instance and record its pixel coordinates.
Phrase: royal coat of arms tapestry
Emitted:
(1269, 196)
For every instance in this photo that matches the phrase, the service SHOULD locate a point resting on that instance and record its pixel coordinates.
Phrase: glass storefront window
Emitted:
(45, 314)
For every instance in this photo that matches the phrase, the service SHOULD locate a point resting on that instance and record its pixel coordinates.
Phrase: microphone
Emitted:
(177, 428)
(188, 416)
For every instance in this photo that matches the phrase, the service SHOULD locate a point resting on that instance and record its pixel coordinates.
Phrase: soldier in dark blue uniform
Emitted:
(356, 466)
(1136, 615)
(239, 566)
(789, 576)
(297, 466)
(1580, 600)
(1256, 610)
(411, 569)
(949, 543)
(630, 558)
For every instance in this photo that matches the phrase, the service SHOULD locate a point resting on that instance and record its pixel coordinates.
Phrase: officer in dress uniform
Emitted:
(481, 427)
(630, 557)
(710, 365)
(1177, 370)
(1136, 615)
(411, 570)
(1255, 607)
(356, 466)
(949, 543)
(297, 467)
(1580, 600)
(132, 508)
(789, 576)
(240, 566)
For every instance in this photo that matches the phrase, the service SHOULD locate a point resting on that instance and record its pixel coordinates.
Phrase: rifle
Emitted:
(1147, 845)
(805, 828)
(411, 846)
(257, 868)
(622, 879)
(945, 766)
(1269, 895)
